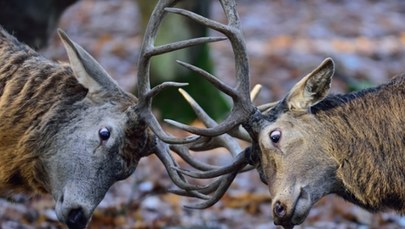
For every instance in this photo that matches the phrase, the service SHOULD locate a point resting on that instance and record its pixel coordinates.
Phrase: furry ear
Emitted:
(87, 70)
(312, 88)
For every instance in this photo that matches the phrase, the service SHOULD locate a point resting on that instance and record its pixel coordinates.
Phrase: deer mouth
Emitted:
(294, 213)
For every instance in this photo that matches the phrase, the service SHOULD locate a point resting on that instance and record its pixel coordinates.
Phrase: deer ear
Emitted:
(87, 70)
(312, 88)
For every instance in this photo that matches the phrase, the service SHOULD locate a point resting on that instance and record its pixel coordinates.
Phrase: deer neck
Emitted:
(367, 139)
(30, 98)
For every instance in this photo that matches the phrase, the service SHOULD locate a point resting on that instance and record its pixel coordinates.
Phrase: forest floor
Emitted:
(285, 41)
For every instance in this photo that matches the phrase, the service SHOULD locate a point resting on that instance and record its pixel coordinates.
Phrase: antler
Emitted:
(240, 94)
(225, 174)
(215, 135)
(242, 107)
(148, 50)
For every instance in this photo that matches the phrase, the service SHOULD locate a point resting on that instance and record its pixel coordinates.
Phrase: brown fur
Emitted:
(30, 96)
(372, 165)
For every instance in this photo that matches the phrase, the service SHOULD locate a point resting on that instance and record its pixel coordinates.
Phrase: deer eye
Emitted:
(275, 136)
(104, 133)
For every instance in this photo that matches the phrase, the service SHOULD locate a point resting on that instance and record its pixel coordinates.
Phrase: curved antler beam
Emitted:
(237, 164)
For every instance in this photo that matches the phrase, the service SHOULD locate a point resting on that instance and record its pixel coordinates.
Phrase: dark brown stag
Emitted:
(69, 130)
(310, 144)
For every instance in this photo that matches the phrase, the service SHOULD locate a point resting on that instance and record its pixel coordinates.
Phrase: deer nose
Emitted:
(281, 215)
(279, 210)
(76, 219)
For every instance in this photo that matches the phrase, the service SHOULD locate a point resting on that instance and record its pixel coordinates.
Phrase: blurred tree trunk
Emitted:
(164, 68)
(32, 21)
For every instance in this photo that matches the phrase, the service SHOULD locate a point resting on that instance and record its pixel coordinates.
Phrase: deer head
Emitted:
(291, 154)
(99, 140)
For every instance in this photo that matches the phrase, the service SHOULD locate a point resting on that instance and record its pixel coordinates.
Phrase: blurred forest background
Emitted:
(285, 40)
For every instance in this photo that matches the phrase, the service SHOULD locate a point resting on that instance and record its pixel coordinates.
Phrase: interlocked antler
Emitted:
(215, 135)
(226, 174)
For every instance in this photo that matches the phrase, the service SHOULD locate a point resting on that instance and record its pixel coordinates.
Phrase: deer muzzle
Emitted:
(76, 218)
(75, 213)
(291, 207)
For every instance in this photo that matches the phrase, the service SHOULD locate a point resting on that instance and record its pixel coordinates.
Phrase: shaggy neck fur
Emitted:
(367, 139)
(33, 92)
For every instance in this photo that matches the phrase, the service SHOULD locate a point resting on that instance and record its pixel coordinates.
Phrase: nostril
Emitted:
(76, 219)
(279, 210)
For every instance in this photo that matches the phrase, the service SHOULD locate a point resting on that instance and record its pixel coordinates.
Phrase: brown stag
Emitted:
(69, 130)
(310, 144)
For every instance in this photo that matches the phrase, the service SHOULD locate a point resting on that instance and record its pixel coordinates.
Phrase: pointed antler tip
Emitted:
(171, 9)
(180, 62)
(258, 86)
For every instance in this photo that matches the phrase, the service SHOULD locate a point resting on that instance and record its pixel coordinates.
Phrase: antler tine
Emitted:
(147, 51)
(201, 114)
(237, 132)
(219, 188)
(239, 161)
(268, 106)
(184, 153)
(212, 79)
(215, 185)
(205, 144)
(147, 47)
(255, 92)
(162, 152)
(207, 190)
(243, 107)
(220, 185)
(183, 44)
(226, 181)
(210, 189)
(222, 140)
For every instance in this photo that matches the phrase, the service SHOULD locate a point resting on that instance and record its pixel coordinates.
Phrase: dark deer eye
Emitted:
(275, 136)
(104, 133)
